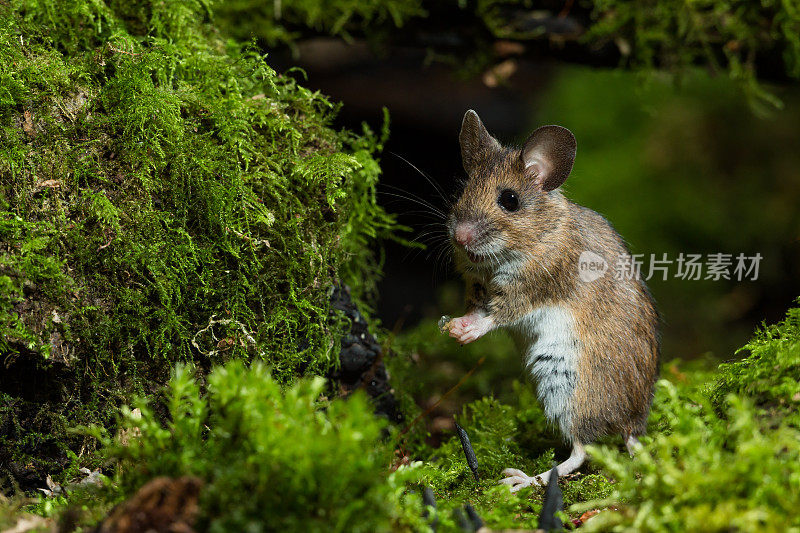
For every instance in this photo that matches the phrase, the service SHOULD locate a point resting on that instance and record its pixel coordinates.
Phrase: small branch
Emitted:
(117, 50)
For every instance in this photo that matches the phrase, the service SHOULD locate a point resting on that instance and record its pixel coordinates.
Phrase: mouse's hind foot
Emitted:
(517, 479)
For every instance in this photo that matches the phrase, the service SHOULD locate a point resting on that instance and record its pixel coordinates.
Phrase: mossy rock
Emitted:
(165, 196)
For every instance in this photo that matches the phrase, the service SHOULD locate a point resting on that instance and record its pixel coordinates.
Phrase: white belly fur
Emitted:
(550, 347)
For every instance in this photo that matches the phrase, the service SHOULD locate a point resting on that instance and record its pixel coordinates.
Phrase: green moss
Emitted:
(730, 36)
(704, 465)
(727, 36)
(502, 435)
(706, 473)
(768, 376)
(673, 37)
(166, 196)
(283, 22)
(269, 458)
(29, 247)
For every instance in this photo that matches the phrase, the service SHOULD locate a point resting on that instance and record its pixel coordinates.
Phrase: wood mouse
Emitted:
(591, 342)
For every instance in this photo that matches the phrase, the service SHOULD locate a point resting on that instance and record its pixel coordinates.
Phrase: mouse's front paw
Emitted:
(517, 479)
(468, 328)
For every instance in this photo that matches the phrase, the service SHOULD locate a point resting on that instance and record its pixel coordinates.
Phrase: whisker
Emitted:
(430, 207)
(443, 263)
(431, 236)
(417, 201)
(442, 257)
(440, 249)
(426, 214)
(430, 180)
(407, 194)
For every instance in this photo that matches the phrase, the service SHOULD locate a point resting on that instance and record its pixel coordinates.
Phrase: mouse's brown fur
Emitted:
(528, 259)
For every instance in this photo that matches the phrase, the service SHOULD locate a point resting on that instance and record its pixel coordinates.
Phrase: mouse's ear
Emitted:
(548, 155)
(476, 143)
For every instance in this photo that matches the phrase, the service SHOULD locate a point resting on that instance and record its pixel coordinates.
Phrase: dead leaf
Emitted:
(53, 488)
(50, 184)
(508, 48)
(225, 344)
(27, 123)
(500, 73)
(588, 514)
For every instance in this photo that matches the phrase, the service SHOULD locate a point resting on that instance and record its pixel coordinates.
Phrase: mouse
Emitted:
(541, 267)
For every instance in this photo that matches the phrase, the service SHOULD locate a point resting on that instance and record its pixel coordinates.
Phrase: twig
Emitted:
(115, 49)
(213, 322)
(566, 9)
(462, 521)
(106, 245)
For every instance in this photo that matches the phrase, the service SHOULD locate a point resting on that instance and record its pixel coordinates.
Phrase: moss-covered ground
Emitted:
(165, 196)
(719, 455)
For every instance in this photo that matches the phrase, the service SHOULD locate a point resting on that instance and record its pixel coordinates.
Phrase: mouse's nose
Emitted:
(465, 233)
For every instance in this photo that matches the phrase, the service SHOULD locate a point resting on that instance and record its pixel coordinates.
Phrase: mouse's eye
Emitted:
(508, 200)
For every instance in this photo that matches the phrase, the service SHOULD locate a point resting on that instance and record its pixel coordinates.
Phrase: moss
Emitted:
(704, 465)
(768, 375)
(166, 196)
(706, 473)
(728, 36)
(502, 435)
(28, 247)
(731, 36)
(269, 458)
(284, 22)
